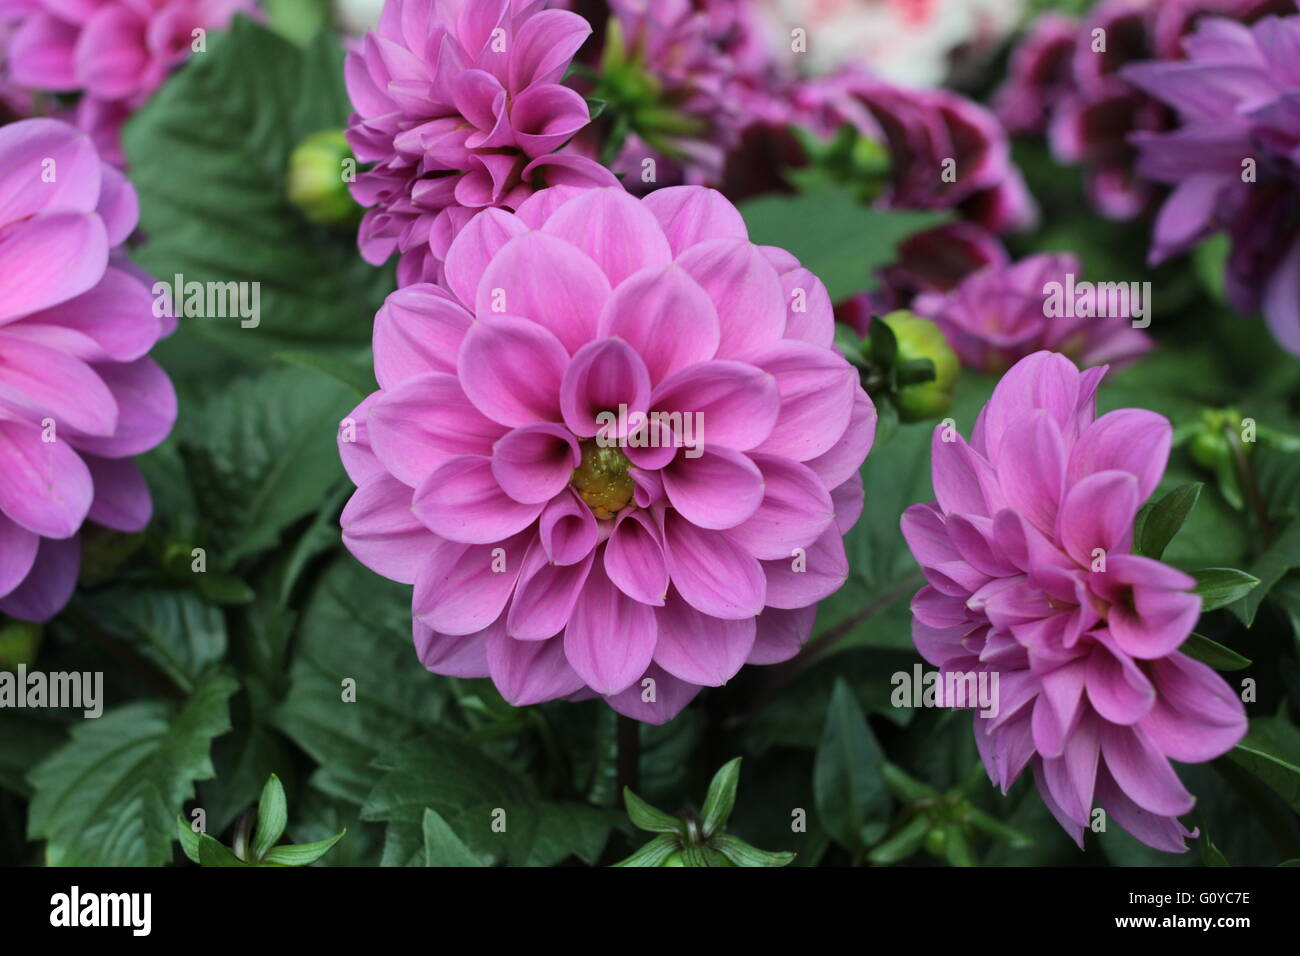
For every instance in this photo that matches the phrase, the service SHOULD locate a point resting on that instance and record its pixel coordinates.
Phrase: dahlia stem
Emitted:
(629, 754)
(1249, 486)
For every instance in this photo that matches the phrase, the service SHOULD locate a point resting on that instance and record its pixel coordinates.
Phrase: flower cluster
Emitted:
(615, 455)
(1028, 555)
(115, 53)
(78, 394)
(460, 107)
(1232, 160)
(1067, 79)
(1000, 314)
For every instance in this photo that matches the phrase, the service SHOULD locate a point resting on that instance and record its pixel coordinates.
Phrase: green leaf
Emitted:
(840, 240)
(441, 845)
(301, 854)
(171, 627)
(646, 817)
(213, 853)
(1158, 523)
(1269, 568)
(188, 837)
(742, 854)
(902, 844)
(272, 817)
(109, 797)
(1271, 751)
(1210, 854)
(262, 454)
(356, 375)
(721, 798)
(357, 627)
(571, 829)
(208, 155)
(852, 800)
(884, 344)
(654, 852)
(1219, 587)
(1201, 648)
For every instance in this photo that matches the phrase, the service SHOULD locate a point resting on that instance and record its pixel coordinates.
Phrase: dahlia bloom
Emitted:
(78, 394)
(999, 315)
(712, 75)
(563, 539)
(459, 106)
(1081, 98)
(1232, 160)
(1027, 552)
(116, 53)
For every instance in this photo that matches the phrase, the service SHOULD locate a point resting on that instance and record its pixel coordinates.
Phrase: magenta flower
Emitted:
(1232, 160)
(616, 458)
(1002, 313)
(116, 53)
(460, 107)
(78, 394)
(1031, 578)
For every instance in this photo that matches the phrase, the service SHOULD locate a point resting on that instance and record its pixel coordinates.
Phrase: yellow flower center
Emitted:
(602, 480)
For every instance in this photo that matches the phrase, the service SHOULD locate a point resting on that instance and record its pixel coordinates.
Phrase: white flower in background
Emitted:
(355, 17)
(903, 41)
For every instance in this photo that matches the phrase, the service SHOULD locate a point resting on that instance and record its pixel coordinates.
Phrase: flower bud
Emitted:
(919, 338)
(317, 179)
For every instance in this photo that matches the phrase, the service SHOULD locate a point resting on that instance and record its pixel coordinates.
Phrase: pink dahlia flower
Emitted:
(78, 394)
(1031, 578)
(459, 106)
(1000, 314)
(116, 53)
(617, 458)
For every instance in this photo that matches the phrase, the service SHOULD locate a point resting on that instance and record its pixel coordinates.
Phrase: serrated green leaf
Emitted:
(852, 800)
(441, 845)
(1158, 523)
(840, 240)
(272, 817)
(208, 156)
(1219, 587)
(301, 854)
(646, 817)
(109, 797)
(1201, 648)
(721, 798)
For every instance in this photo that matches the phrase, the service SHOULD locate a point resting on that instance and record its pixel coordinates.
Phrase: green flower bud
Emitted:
(920, 338)
(320, 168)
(1210, 446)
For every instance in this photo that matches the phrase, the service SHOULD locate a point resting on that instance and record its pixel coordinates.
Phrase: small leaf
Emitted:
(850, 792)
(302, 854)
(1201, 648)
(693, 855)
(915, 371)
(742, 854)
(189, 838)
(721, 798)
(958, 848)
(1158, 523)
(1210, 854)
(884, 344)
(272, 816)
(646, 817)
(212, 853)
(442, 847)
(653, 853)
(1271, 751)
(902, 844)
(1219, 587)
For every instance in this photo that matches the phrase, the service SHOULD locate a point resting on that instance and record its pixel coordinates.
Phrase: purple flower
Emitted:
(1233, 159)
(616, 458)
(712, 74)
(1068, 80)
(1002, 313)
(459, 106)
(1027, 552)
(78, 394)
(116, 53)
